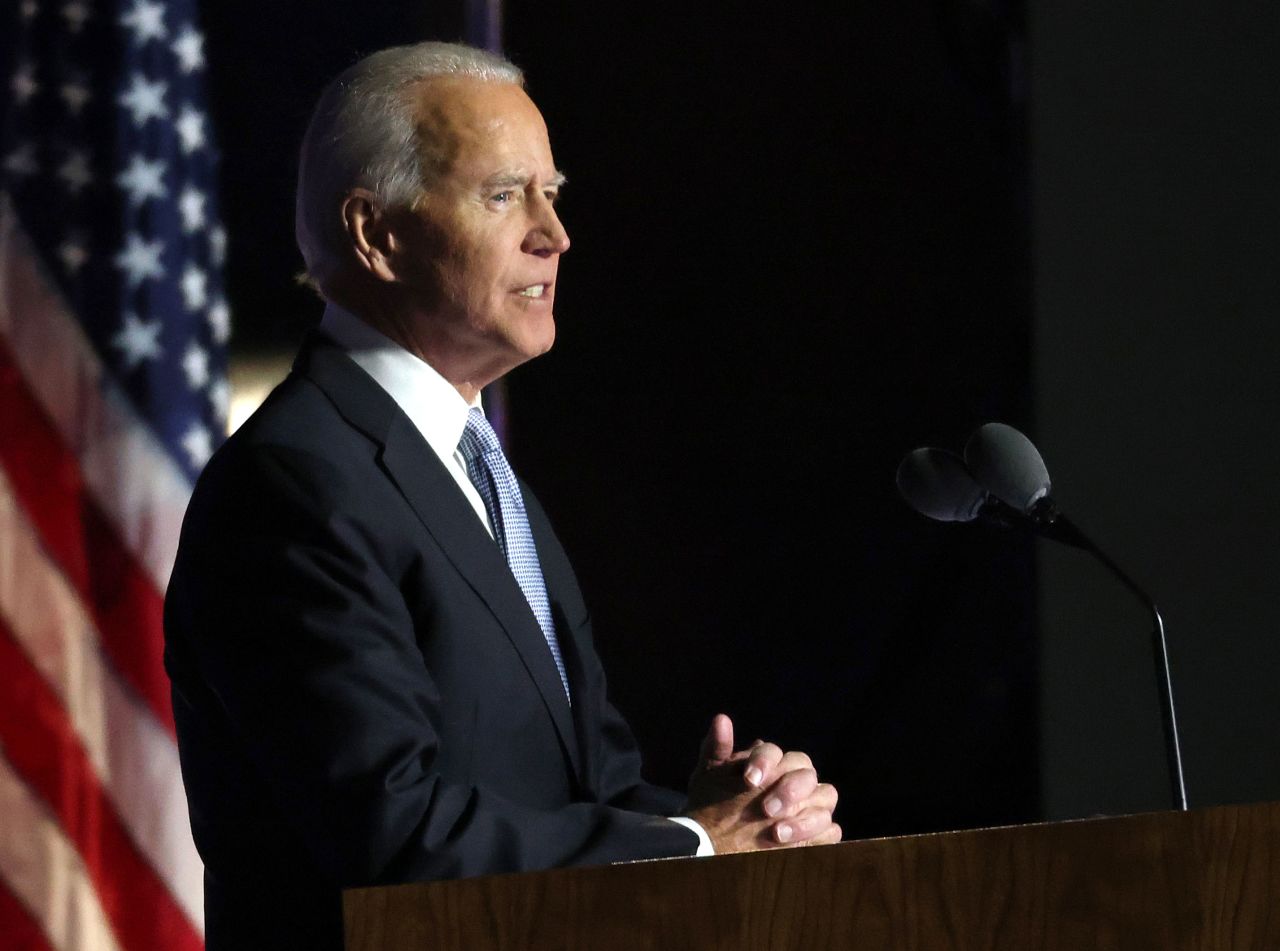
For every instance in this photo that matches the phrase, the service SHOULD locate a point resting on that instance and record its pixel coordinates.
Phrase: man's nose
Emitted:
(547, 235)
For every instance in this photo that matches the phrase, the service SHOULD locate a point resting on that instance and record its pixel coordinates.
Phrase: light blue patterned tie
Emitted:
(491, 474)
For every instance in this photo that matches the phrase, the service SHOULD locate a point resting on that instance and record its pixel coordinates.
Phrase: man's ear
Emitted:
(368, 227)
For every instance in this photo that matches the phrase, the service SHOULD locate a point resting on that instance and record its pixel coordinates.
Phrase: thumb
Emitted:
(718, 745)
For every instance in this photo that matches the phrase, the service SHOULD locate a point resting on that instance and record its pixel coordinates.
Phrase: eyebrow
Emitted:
(511, 180)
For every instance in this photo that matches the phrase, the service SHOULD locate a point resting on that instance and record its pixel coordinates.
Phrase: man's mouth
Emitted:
(533, 290)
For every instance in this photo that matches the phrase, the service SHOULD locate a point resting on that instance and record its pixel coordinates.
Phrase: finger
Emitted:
(803, 826)
(789, 793)
(795, 760)
(831, 836)
(718, 744)
(823, 794)
(740, 756)
(762, 763)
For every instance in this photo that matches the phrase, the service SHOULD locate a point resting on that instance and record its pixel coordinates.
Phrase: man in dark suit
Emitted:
(373, 680)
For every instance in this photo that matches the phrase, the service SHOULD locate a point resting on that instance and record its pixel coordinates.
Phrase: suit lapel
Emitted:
(569, 612)
(434, 497)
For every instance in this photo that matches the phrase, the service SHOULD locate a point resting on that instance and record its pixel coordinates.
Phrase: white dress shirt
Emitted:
(435, 408)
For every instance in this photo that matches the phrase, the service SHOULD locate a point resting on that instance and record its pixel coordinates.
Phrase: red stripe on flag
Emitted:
(46, 479)
(19, 931)
(41, 744)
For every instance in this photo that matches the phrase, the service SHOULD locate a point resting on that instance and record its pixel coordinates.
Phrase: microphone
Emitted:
(1007, 464)
(937, 485)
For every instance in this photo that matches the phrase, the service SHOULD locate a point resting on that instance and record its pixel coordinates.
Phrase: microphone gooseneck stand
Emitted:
(1053, 524)
(1003, 481)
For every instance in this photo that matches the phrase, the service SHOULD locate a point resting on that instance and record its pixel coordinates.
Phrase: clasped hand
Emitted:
(760, 797)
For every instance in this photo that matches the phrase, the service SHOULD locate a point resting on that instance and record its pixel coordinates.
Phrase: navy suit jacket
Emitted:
(362, 693)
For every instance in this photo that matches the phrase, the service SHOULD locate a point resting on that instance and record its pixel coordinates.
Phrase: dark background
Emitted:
(804, 244)
(800, 252)
(1156, 131)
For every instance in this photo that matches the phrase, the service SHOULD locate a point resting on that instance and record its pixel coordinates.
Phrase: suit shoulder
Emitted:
(295, 444)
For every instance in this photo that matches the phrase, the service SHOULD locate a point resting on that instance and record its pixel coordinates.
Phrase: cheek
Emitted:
(477, 273)
(458, 277)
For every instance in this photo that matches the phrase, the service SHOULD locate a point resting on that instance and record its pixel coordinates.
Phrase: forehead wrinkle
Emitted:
(460, 123)
(445, 119)
(440, 138)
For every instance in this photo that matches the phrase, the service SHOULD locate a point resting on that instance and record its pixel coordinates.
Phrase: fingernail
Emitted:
(754, 776)
(784, 833)
(771, 806)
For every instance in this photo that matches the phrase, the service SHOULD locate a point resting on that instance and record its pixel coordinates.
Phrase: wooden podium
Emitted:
(1206, 880)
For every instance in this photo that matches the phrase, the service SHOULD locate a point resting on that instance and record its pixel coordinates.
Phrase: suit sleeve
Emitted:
(291, 647)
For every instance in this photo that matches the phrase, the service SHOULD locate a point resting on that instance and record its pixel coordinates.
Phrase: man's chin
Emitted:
(526, 346)
(550, 339)
(539, 339)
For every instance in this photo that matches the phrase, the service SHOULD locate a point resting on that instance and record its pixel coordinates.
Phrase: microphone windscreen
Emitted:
(936, 483)
(1007, 465)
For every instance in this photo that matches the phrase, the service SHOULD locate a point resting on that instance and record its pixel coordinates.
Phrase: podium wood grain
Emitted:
(1206, 880)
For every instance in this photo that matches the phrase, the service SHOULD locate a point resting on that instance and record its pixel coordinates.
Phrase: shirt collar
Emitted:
(435, 408)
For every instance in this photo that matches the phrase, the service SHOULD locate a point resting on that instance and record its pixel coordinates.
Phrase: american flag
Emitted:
(113, 393)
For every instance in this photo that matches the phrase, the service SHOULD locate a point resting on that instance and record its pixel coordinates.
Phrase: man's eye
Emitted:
(503, 197)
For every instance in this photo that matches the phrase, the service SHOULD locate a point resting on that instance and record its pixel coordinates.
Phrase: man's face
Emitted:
(481, 248)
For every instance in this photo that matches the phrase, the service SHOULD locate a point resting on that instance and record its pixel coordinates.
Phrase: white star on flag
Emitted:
(220, 321)
(191, 209)
(145, 100)
(138, 340)
(220, 398)
(146, 20)
(75, 96)
(73, 255)
(75, 172)
(190, 126)
(75, 13)
(22, 160)
(218, 245)
(198, 445)
(142, 180)
(194, 291)
(195, 364)
(140, 259)
(24, 83)
(189, 48)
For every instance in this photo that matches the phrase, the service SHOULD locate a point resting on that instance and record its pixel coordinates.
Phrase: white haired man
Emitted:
(382, 665)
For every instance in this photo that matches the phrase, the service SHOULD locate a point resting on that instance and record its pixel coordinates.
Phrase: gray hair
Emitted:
(363, 135)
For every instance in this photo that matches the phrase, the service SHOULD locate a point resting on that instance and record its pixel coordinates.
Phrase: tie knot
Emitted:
(478, 438)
